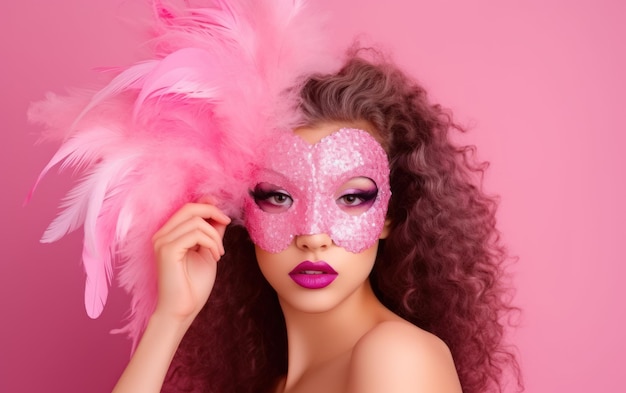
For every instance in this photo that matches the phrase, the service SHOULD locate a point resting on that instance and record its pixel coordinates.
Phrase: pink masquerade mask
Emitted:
(338, 186)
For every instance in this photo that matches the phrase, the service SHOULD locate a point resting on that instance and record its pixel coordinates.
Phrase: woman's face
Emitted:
(316, 212)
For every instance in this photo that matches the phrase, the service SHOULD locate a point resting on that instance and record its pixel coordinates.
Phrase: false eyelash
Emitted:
(260, 194)
(366, 195)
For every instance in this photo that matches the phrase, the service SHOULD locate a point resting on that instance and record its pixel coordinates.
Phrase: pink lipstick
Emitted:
(313, 275)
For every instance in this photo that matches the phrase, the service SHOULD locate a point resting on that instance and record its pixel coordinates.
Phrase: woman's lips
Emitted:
(313, 275)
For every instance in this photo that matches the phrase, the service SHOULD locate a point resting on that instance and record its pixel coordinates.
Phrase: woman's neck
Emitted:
(317, 338)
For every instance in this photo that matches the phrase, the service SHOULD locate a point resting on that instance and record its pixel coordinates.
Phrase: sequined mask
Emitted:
(301, 189)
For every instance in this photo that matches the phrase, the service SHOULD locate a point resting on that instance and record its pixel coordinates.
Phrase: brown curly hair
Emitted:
(441, 267)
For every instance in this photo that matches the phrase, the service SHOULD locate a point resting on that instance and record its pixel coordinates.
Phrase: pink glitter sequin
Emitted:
(311, 175)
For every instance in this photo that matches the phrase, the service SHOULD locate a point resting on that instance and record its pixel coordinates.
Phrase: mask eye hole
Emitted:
(271, 198)
(356, 195)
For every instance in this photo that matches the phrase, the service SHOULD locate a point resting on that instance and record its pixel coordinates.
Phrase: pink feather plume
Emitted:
(164, 131)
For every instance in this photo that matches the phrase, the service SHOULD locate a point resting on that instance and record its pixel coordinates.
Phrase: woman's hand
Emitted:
(187, 249)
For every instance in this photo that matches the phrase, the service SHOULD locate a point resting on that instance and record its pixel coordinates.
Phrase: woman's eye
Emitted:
(279, 199)
(357, 201)
(351, 200)
(271, 199)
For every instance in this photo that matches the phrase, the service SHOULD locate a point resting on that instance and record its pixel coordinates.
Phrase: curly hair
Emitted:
(440, 268)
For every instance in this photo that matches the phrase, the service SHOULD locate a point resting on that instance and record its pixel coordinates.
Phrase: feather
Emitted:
(187, 122)
(79, 151)
(128, 79)
(185, 72)
(96, 283)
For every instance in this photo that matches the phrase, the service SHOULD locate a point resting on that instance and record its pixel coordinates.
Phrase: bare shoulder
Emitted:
(396, 357)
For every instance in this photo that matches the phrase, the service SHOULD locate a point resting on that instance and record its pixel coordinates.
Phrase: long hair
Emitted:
(441, 267)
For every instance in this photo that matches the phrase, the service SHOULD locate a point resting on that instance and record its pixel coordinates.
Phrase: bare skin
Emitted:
(187, 249)
(343, 340)
(354, 343)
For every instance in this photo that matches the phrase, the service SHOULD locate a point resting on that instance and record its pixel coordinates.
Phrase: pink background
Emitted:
(541, 83)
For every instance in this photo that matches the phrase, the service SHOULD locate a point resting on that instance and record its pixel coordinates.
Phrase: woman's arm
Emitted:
(149, 364)
(187, 249)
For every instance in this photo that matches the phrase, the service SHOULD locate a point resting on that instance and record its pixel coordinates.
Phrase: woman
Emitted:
(374, 327)
(362, 256)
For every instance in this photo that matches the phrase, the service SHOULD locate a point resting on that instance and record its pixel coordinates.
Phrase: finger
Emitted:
(190, 210)
(209, 212)
(219, 227)
(186, 242)
(193, 224)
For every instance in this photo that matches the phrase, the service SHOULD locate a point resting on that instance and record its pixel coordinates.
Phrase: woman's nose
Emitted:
(313, 242)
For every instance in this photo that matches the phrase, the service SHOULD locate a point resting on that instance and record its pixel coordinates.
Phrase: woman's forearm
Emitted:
(148, 366)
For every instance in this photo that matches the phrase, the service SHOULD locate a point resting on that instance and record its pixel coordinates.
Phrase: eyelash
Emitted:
(278, 198)
(274, 199)
(363, 198)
